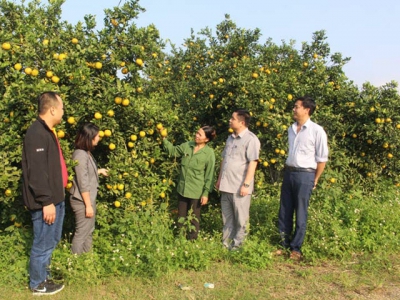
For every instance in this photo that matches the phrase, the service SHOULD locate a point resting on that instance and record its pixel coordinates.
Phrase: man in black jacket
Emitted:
(44, 179)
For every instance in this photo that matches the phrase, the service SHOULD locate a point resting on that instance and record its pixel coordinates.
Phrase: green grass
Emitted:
(351, 252)
(361, 278)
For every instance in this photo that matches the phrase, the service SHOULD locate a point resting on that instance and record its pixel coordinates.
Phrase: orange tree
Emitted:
(101, 77)
(213, 74)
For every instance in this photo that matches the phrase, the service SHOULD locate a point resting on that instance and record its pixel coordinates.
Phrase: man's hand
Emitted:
(244, 191)
(49, 214)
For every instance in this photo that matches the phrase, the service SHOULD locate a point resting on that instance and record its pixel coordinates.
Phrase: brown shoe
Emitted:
(280, 252)
(295, 255)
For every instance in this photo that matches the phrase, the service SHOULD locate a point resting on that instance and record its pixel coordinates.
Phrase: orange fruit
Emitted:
(98, 65)
(62, 56)
(139, 62)
(107, 132)
(18, 66)
(55, 79)
(164, 132)
(6, 46)
(71, 120)
(61, 134)
(118, 100)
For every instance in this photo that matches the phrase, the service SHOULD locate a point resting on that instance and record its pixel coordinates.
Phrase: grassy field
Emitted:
(378, 278)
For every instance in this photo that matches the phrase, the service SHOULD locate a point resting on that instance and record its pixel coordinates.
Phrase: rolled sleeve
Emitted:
(253, 150)
(321, 149)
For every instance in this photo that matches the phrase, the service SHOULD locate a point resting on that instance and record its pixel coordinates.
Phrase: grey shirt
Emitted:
(239, 151)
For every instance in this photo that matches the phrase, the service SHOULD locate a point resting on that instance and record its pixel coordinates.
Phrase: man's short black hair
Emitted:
(243, 115)
(308, 102)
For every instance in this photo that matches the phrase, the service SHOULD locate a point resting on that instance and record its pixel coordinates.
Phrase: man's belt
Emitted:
(294, 169)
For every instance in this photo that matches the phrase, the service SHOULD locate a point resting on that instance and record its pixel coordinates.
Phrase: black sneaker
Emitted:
(47, 288)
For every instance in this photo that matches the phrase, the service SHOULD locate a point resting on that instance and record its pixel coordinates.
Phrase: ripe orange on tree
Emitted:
(55, 79)
(60, 134)
(18, 66)
(125, 102)
(107, 132)
(139, 62)
(6, 46)
(164, 132)
(71, 120)
(118, 100)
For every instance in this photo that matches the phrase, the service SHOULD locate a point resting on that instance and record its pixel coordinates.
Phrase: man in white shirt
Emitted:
(308, 154)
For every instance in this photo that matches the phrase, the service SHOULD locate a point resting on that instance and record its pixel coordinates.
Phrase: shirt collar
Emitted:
(240, 134)
(192, 144)
(306, 124)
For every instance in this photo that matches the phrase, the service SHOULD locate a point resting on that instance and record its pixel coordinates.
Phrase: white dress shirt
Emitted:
(307, 147)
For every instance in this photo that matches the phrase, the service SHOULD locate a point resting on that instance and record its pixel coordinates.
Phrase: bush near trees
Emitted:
(121, 78)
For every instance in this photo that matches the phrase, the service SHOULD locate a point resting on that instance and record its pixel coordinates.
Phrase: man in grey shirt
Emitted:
(236, 179)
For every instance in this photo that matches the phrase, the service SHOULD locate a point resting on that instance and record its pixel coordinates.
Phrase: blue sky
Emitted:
(363, 30)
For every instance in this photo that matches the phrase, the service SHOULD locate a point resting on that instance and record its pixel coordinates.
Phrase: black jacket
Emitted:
(42, 182)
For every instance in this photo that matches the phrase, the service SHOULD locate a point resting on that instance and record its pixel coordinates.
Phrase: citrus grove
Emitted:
(120, 77)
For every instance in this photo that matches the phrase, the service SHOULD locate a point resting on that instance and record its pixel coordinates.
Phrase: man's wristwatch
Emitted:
(246, 185)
